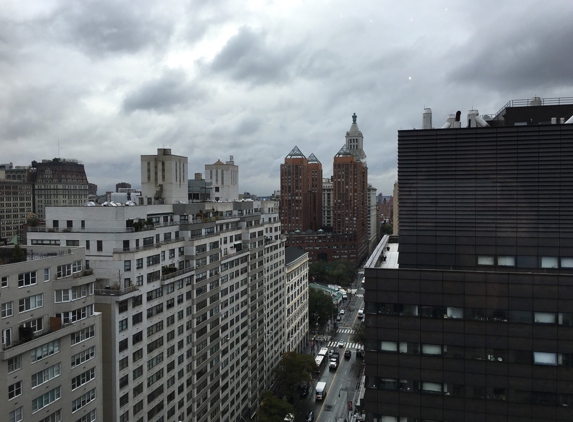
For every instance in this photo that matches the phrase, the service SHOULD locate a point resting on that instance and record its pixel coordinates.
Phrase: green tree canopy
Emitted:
(320, 306)
(18, 255)
(359, 334)
(273, 409)
(339, 272)
(386, 228)
(293, 369)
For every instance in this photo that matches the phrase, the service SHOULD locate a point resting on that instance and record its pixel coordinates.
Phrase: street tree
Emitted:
(273, 409)
(386, 229)
(293, 369)
(320, 306)
(317, 272)
(359, 334)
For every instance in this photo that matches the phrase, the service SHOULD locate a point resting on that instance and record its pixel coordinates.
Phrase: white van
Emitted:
(320, 390)
(360, 313)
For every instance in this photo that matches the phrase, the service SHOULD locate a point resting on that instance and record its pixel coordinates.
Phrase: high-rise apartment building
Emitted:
(50, 363)
(58, 183)
(193, 301)
(469, 311)
(224, 180)
(342, 200)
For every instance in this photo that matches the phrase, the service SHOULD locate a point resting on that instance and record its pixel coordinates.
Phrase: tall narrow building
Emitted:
(304, 208)
(224, 180)
(295, 202)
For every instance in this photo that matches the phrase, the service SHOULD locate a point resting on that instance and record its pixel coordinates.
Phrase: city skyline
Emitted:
(104, 82)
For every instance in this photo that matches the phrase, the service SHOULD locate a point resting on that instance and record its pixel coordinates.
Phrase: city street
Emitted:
(342, 383)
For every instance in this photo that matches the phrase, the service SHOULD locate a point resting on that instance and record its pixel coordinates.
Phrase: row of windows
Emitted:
(526, 261)
(472, 314)
(468, 391)
(466, 352)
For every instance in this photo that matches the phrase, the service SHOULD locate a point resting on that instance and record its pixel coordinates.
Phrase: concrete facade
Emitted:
(163, 178)
(296, 322)
(193, 302)
(51, 355)
(224, 180)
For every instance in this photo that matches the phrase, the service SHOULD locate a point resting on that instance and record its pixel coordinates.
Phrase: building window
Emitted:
(14, 390)
(506, 261)
(46, 399)
(545, 318)
(4, 281)
(87, 245)
(7, 309)
(27, 279)
(15, 415)
(46, 274)
(14, 363)
(83, 378)
(123, 345)
(123, 324)
(139, 263)
(542, 358)
(127, 265)
(82, 335)
(46, 375)
(45, 350)
(485, 260)
(549, 262)
(83, 400)
(29, 303)
(99, 245)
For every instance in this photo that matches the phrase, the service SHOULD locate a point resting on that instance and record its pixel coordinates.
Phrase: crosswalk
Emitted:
(356, 346)
(345, 331)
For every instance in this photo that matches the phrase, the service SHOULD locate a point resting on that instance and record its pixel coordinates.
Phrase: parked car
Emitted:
(310, 416)
(347, 354)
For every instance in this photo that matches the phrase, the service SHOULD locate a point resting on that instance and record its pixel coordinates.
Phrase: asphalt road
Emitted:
(341, 383)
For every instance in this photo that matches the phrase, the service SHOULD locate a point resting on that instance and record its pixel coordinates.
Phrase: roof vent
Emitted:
(535, 101)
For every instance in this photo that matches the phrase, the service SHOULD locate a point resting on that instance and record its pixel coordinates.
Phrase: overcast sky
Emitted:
(107, 81)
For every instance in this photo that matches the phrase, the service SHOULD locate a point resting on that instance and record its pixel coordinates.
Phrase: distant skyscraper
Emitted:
(355, 140)
(301, 192)
(58, 182)
(344, 205)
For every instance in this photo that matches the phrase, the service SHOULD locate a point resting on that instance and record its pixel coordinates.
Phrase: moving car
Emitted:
(342, 312)
(310, 416)
(347, 354)
(360, 313)
(340, 343)
(338, 318)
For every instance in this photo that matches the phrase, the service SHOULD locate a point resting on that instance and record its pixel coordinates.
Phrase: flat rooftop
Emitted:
(385, 255)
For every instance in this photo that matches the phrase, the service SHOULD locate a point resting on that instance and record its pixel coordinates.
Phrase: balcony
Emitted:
(105, 288)
(147, 247)
(168, 274)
